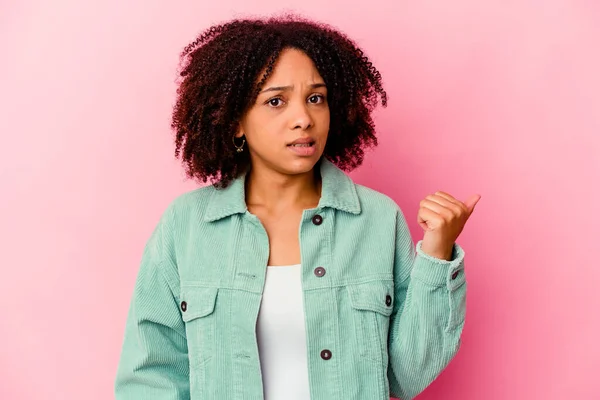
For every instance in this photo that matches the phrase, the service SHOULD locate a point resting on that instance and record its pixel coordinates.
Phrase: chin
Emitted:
(301, 165)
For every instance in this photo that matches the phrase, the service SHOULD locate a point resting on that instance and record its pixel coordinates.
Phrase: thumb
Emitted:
(471, 202)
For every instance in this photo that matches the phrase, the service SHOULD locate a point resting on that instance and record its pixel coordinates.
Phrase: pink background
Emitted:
(496, 98)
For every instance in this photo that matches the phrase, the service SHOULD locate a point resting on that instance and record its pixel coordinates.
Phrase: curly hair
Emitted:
(220, 71)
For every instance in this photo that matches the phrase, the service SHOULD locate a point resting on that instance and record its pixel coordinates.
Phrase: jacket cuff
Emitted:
(437, 272)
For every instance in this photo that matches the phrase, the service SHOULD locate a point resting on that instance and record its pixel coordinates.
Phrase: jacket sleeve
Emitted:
(428, 315)
(154, 361)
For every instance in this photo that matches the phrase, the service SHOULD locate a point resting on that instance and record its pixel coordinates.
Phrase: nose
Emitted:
(301, 116)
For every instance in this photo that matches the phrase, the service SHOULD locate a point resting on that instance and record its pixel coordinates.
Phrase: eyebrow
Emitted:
(283, 88)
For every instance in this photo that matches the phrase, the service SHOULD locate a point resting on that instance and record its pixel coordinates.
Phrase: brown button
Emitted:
(319, 271)
(317, 219)
(454, 275)
(325, 354)
(388, 300)
(183, 306)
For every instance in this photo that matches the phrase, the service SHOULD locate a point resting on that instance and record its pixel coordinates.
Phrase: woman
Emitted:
(284, 279)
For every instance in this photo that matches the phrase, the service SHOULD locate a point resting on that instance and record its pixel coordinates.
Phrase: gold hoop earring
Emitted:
(240, 148)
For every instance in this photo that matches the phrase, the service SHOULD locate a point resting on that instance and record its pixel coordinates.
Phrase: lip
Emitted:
(303, 140)
(303, 151)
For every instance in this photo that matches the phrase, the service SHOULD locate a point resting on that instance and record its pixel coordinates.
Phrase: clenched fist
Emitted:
(443, 218)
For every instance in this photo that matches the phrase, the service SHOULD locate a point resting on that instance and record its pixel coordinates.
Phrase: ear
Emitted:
(239, 132)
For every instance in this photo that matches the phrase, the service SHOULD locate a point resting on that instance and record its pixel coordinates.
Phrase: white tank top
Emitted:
(281, 335)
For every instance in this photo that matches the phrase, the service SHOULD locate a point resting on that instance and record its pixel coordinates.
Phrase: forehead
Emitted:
(294, 65)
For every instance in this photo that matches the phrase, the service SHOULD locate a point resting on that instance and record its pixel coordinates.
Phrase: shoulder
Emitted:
(372, 200)
(192, 203)
(382, 211)
(196, 198)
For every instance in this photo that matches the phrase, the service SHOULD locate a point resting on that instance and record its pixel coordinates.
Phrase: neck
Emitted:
(276, 191)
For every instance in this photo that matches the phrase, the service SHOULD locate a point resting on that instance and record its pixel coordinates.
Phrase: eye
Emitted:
(317, 96)
(274, 99)
(274, 102)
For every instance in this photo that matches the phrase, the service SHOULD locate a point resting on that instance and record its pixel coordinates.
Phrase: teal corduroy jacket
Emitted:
(382, 317)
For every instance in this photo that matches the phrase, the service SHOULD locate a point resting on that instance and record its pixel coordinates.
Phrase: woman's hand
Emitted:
(443, 219)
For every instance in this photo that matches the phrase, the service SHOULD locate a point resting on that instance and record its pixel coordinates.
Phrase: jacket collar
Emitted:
(337, 191)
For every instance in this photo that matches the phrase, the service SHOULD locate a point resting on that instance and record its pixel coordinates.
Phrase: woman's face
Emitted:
(292, 105)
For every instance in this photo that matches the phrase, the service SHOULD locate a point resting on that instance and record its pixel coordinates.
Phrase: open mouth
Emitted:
(303, 149)
(302, 144)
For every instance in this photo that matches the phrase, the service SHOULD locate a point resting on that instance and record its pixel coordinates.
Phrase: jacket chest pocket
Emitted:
(372, 304)
(197, 310)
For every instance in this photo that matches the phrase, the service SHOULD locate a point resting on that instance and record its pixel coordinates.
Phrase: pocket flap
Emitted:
(373, 296)
(200, 301)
